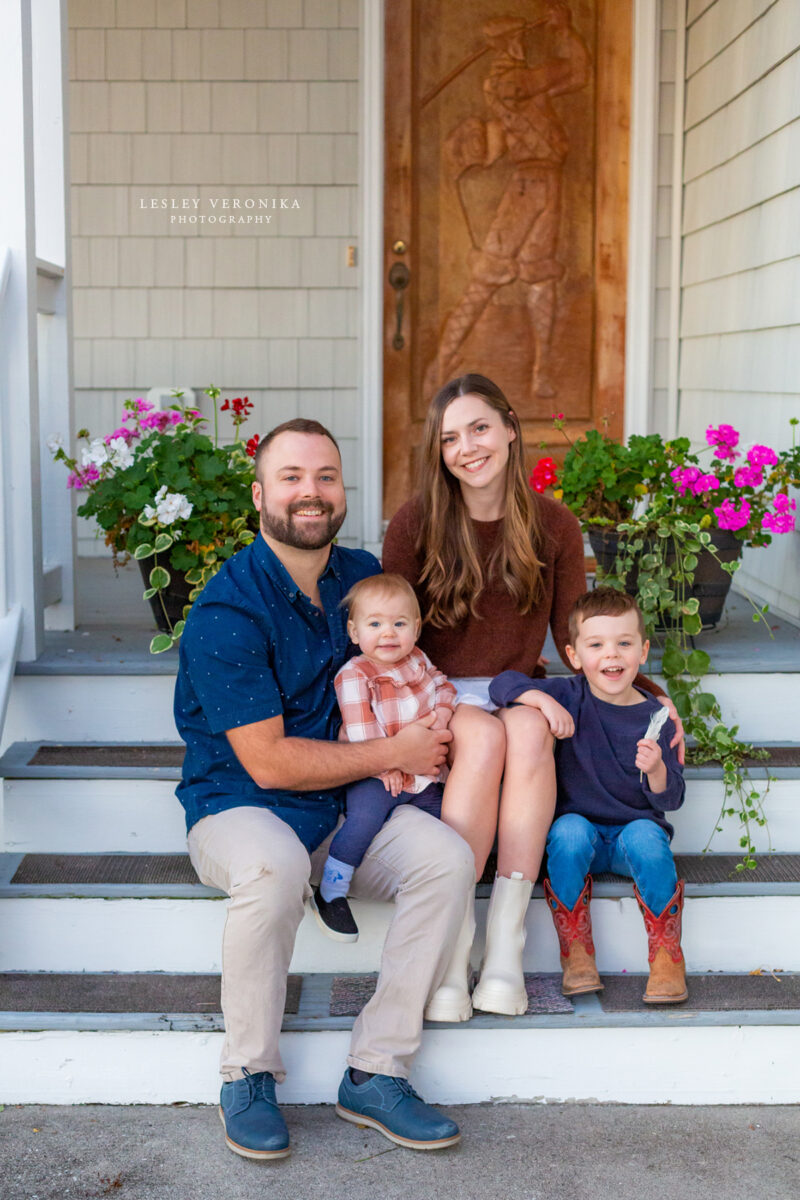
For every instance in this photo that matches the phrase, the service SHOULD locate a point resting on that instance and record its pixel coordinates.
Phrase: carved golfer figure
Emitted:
(522, 241)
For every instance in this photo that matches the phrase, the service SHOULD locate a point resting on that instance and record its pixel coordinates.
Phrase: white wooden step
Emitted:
(134, 809)
(735, 926)
(108, 708)
(667, 1059)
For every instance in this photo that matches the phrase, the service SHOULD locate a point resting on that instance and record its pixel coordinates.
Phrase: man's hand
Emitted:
(650, 761)
(678, 739)
(392, 781)
(419, 748)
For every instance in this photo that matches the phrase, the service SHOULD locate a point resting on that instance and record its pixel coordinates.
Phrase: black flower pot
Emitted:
(711, 582)
(173, 598)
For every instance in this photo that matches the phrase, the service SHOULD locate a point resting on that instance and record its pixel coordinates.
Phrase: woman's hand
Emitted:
(678, 739)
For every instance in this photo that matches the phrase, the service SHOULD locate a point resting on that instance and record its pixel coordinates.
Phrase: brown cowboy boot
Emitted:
(667, 982)
(574, 931)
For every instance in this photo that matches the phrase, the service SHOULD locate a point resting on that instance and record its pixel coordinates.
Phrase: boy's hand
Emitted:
(560, 722)
(443, 717)
(678, 739)
(392, 781)
(650, 761)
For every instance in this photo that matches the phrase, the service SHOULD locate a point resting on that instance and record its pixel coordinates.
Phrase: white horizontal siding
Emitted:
(761, 235)
(718, 27)
(751, 117)
(768, 297)
(764, 361)
(753, 54)
(763, 171)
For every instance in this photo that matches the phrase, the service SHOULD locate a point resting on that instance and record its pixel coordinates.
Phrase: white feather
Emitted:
(656, 723)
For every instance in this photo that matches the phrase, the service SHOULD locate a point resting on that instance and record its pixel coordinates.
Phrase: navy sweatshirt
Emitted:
(595, 767)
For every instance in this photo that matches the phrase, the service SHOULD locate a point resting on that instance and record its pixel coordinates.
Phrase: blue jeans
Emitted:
(577, 847)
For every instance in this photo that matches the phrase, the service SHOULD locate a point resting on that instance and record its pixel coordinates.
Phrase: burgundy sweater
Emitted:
(500, 638)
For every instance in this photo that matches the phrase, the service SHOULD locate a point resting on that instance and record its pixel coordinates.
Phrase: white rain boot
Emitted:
(502, 985)
(450, 1001)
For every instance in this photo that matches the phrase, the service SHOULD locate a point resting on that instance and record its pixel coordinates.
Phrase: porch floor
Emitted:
(115, 632)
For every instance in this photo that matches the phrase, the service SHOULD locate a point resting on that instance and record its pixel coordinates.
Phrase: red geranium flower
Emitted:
(543, 475)
(252, 445)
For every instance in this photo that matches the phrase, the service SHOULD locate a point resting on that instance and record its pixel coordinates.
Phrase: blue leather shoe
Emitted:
(254, 1125)
(392, 1107)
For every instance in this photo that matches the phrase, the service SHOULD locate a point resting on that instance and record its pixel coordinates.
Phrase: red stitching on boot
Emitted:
(664, 930)
(572, 926)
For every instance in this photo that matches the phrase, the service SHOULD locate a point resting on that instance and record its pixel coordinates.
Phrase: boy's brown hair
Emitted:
(387, 585)
(602, 602)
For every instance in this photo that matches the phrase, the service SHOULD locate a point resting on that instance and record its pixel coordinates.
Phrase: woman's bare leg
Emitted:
(526, 810)
(529, 792)
(471, 793)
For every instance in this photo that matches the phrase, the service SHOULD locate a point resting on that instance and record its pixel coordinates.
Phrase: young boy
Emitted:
(613, 787)
(389, 685)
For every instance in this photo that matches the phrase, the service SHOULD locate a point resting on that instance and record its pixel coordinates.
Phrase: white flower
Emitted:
(169, 507)
(149, 512)
(120, 454)
(95, 454)
(55, 442)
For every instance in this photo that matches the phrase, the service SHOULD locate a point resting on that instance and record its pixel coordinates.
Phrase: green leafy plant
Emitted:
(666, 511)
(161, 489)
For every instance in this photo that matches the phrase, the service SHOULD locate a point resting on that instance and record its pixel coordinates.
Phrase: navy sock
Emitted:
(359, 1077)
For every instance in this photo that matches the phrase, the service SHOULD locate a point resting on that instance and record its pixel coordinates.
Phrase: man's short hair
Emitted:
(602, 602)
(381, 585)
(296, 425)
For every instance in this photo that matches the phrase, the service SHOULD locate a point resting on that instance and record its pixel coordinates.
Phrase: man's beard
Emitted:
(288, 533)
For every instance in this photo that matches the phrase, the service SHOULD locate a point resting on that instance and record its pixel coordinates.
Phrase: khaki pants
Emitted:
(254, 856)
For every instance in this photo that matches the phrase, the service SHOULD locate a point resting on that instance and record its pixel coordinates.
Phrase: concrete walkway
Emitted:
(508, 1152)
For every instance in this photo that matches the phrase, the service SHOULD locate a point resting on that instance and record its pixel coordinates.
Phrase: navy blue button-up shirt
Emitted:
(255, 647)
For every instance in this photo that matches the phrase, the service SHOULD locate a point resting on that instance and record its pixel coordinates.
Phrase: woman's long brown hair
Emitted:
(452, 574)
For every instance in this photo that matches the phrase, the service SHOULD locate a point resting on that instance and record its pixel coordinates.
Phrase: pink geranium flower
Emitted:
(783, 519)
(748, 477)
(81, 479)
(761, 456)
(730, 517)
(724, 439)
(706, 483)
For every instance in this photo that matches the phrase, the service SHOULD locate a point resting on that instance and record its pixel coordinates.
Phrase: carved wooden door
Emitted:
(505, 213)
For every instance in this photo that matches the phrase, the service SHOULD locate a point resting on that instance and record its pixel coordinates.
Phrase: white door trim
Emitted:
(370, 181)
(640, 299)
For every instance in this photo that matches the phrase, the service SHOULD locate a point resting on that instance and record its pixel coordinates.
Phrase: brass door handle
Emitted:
(399, 279)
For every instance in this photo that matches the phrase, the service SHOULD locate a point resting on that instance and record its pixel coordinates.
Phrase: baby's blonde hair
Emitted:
(385, 585)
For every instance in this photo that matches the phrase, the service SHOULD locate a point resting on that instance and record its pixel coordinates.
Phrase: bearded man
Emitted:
(262, 788)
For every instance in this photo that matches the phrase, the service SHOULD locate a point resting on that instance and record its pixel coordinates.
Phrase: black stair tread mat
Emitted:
(159, 755)
(105, 868)
(349, 994)
(721, 868)
(700, 868)
(108, 756)
(118, 993)
(708, 993)
(153, 869)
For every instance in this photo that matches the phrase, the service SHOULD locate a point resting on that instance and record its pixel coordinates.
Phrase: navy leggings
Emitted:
(368, 808)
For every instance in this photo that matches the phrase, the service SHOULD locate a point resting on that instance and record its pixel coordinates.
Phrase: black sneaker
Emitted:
(334, 917)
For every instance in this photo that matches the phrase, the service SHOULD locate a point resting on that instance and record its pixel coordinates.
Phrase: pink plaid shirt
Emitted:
(378, 701)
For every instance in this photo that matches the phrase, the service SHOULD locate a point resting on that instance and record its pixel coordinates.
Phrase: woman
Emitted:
(493, 564)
